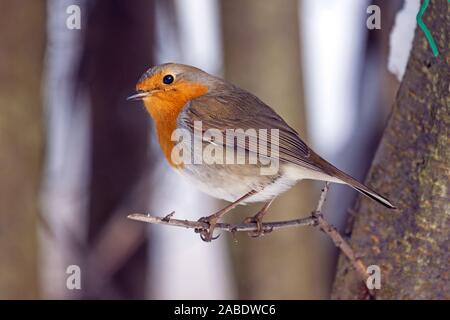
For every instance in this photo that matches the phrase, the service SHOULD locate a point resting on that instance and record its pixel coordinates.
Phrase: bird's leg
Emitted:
(257, 218)
(207, 235)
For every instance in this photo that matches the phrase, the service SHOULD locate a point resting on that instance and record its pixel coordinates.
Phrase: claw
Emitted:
(207, 235)
(216, 237)
(257, 219)
(259, 227)
(203, 236)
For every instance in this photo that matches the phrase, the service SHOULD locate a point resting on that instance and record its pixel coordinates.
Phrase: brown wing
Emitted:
(237, 108)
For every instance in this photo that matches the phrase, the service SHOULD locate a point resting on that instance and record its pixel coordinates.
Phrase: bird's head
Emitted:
(165, 90)
(171, 84)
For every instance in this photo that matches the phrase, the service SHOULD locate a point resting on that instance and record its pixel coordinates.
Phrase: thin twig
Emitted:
(275, 225)
(336, 237)
(316, 219)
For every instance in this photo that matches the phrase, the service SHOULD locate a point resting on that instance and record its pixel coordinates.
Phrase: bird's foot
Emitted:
(259, 232)
(207, 234)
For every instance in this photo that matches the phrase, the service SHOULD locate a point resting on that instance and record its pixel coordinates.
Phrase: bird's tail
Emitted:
(355, 184)
(373, 195)
(363, 189)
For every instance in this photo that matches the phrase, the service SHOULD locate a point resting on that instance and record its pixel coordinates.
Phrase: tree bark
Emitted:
(412, 166)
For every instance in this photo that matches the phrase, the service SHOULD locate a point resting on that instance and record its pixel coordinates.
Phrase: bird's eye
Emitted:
(168, 79)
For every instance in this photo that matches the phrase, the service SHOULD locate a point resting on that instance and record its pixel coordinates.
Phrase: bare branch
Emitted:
(268, 226)
(337, 239)
(323, 196)
(340, 242)
(316, 219)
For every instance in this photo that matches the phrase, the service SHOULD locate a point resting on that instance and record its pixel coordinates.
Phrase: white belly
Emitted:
(230, 183)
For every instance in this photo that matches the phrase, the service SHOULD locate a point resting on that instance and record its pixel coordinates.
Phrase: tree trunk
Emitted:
(21, 144)
(117, 49)
(412, 166)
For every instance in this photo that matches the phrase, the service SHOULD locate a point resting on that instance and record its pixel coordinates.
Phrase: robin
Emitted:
(179, 96)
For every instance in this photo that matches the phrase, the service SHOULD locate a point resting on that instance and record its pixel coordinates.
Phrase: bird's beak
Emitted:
(138, 96)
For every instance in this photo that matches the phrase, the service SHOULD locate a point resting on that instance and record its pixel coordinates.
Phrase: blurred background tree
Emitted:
(262, 54)
(120, 156)
(21, 145)
(90, 72)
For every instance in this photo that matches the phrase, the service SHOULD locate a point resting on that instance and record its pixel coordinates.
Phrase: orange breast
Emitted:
(165, 106)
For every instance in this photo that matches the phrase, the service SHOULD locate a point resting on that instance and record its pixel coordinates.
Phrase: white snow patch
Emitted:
(401, 37)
